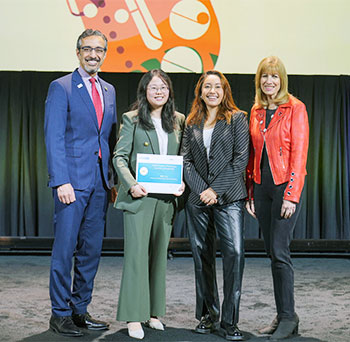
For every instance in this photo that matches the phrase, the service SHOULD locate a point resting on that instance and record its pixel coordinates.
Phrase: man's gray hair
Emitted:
(89, 33)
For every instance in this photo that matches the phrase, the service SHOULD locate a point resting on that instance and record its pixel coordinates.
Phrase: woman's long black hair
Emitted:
(143, 107)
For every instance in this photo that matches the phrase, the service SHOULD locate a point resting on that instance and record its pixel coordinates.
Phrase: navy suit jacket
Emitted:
(72, 135)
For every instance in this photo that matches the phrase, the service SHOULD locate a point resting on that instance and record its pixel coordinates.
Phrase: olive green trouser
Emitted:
(146, 240)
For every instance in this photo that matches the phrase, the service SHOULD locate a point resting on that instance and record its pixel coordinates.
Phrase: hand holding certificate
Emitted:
(160, 173)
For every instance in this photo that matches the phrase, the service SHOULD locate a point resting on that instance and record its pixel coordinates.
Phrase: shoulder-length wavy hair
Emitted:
(199, 110)
(143, 107)
(271, 65)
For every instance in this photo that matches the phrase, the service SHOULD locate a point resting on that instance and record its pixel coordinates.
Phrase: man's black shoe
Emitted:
(231, 332)
(86, 321)
(206, 325)
(64, 326)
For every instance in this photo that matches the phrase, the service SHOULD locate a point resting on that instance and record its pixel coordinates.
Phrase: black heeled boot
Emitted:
(286, 328)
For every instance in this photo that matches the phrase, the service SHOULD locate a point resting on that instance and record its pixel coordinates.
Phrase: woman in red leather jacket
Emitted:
(275, 178)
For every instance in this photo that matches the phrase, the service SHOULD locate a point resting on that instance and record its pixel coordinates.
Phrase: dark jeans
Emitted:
(277, 234)
(202, 223)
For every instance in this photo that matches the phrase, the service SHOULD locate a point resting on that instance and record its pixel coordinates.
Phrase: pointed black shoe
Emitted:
(206, 325)
(87, 322)
(64, 326)
(231, 332)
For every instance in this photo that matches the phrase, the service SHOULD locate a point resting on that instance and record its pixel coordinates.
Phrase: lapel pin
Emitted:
(79, 85)
(146, 143)
(106, 89)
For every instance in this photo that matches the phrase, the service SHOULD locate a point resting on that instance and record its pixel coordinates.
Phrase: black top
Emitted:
(265, 167)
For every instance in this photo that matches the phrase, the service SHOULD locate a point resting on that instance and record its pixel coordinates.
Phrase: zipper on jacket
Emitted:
(281, 154)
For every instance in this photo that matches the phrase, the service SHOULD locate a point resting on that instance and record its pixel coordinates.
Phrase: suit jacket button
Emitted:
(146, 143)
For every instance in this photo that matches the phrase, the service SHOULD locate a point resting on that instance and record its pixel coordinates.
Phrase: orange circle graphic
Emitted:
(175, 35)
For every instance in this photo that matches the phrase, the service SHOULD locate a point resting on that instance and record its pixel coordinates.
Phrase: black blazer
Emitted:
(228, 158)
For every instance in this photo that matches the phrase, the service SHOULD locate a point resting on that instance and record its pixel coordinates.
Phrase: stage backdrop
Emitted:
(310, 36)
(26, 205)
(184, 37)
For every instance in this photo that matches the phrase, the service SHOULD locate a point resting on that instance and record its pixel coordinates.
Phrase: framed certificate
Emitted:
(158, 173)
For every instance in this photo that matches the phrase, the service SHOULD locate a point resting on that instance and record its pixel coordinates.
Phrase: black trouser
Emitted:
(202, 223)
(277, 233)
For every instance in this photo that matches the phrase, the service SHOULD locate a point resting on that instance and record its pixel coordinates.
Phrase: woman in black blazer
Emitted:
(216, 151)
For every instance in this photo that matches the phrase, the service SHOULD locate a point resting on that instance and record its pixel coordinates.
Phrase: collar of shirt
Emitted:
(85, 76)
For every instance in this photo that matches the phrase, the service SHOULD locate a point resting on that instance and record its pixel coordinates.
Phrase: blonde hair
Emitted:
(271, 65)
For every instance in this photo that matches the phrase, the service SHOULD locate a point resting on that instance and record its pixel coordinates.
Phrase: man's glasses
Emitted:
(89, 49)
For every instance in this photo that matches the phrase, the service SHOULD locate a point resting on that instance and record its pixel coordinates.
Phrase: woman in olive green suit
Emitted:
(153, 127)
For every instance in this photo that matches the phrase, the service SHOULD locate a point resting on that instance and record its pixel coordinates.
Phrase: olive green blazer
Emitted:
(134, 139)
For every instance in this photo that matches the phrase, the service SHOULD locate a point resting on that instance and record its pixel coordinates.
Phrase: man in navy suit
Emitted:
(79, 114)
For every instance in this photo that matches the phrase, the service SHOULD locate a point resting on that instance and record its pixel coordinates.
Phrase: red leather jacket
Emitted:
(287, 140)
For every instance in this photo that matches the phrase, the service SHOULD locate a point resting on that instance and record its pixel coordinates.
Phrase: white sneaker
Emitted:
(135, 330)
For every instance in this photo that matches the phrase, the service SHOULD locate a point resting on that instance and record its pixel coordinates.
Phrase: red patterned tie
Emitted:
(97, 101)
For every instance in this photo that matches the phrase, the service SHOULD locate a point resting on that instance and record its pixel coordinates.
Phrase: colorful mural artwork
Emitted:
(175, 35)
